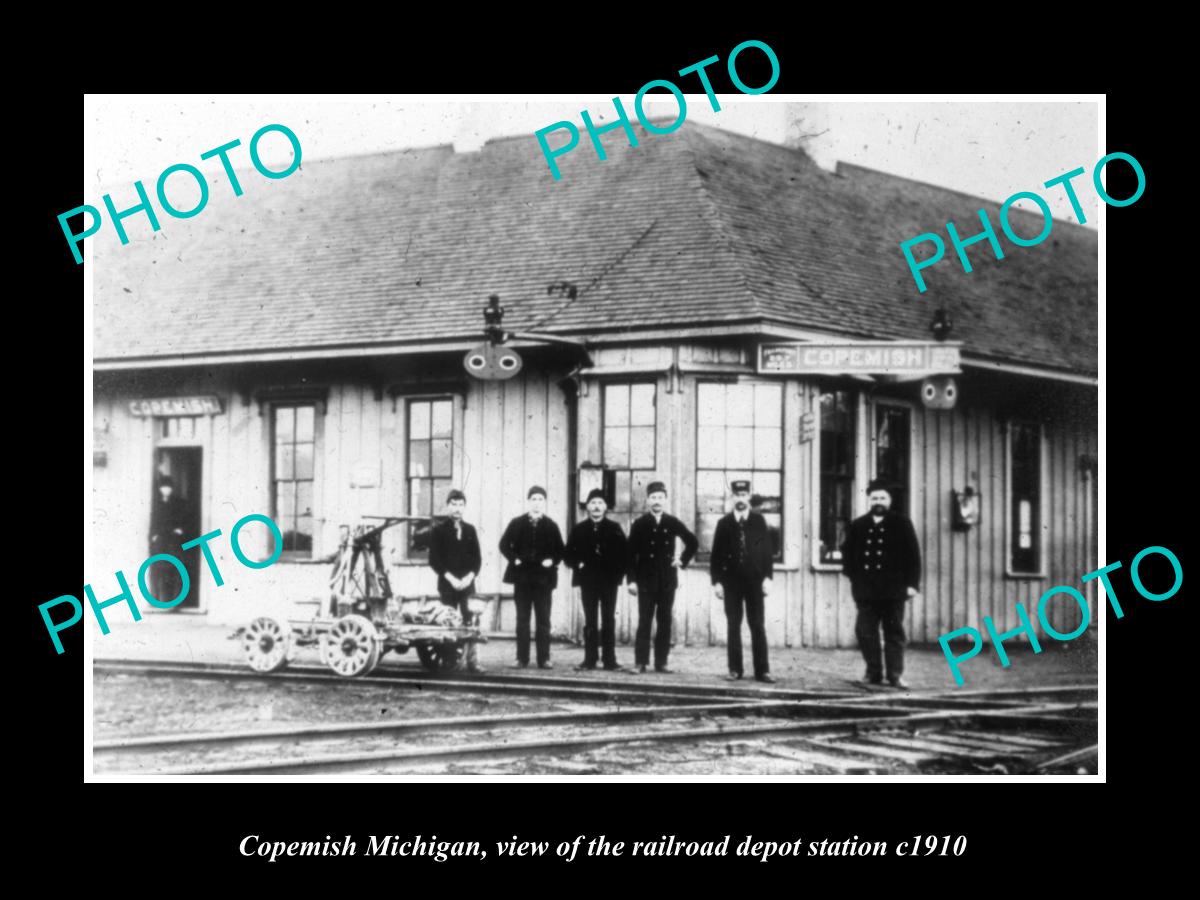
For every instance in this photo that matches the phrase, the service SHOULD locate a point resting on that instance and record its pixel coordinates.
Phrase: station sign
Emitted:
(176, 406)
(912, 358)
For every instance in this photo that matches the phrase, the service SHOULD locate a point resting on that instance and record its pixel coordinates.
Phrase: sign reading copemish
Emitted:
(145, 206)
(166, 559)
(989, 232)
(1026, 626)
(623, 117)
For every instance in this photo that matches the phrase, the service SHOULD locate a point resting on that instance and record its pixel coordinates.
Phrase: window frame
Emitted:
(1043, 522)
(317, 407)
(703, 555)
(406, 402)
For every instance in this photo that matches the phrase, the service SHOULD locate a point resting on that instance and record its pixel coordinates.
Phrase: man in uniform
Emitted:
(652, 574)
(454, 554)
(883, 561)
(742, 565)
(533, 546)
(596, 550)
(169, 518)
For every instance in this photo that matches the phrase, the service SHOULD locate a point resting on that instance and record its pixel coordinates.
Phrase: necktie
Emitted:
(458, 531)
(741, 540)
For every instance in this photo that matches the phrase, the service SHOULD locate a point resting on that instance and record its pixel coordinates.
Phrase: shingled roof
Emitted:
(698, 227)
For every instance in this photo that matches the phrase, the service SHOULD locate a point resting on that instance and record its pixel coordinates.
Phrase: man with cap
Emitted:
(652, 574)
(170, 519)
(596, 551)
(882, 559)
(533, 546)
(742, 565)
(454, 554)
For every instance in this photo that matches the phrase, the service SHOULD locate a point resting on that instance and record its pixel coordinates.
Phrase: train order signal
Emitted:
(939, 392)
(489, 362)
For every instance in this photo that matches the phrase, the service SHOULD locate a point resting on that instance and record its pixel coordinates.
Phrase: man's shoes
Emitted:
(521, 665)
(585, 667)
(641, 669)
(734, 676)
(476, 669)
(663, 670)
(899, 683)
(867, 679)
(765, 678)
(546, 665)
(612, 667)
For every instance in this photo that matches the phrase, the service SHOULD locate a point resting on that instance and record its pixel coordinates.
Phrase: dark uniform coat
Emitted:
(451, 554)
(165, 517)
(652, 547)
(882, 559)
(531, 543)
(597, 553)
(760, 552)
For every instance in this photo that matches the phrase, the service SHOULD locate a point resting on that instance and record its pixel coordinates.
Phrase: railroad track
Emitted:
(1039, 729)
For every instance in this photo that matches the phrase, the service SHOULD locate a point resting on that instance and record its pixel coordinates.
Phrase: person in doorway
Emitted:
(170, 518)
(455, 555)
(596, 551)
(533, 546)
(742, 566)
(653, 578)
(882, 558)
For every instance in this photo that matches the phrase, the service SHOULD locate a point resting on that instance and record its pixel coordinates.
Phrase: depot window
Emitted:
(739, 434)
(837, 469)
(430, 466)
(1025, 515)
(630, 419)
(292, 477)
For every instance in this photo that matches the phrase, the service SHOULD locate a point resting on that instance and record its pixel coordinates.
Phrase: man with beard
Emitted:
(652, 574)
(883, 561)
(742, 565)
(533, 546)
(170, 516)
(454, 554)
(596, 551)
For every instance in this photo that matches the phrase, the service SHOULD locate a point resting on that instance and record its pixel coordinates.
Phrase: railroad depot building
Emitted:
(299, 351)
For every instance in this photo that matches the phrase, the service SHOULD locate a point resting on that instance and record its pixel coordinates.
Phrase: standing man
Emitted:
(454, 554)
(596, 550)
(883, 561)
(533, 546)
(169, 517)
(742, 566)
(652, 574)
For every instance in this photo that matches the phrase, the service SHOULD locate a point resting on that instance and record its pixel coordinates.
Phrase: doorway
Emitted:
(175, 520)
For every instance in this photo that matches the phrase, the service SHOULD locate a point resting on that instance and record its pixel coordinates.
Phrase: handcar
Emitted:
(361, 620)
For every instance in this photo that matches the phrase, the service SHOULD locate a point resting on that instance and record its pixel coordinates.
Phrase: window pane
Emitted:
(767, 484)
(710, 492)
(640, 480)
(641, 447)
(285, 499)
(616, 447)
(768, 405)
(285, 423)
(418, 419)
(616, 404)
(285, 461)
(739, 404)
(287, 525)
(441, 461)
(706, 526)
(418, 459)
(710, 447)
(739, 447)
(768, 452)
(304, 461)
(304, 423)
(710, 404)
(442, 419)
(304, 531)
(641, 404)
(775, 526)
(304, 498)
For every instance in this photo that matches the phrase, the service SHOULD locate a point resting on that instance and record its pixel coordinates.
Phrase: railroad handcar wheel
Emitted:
(265, 643)
(352, 646)
(439, 657)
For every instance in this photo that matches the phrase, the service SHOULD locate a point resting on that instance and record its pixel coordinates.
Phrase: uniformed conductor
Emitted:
(533, 546)
(170, 517)
(883, 561)
(742, 565)
(454, 554)
(596, 550)
(652, 574)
